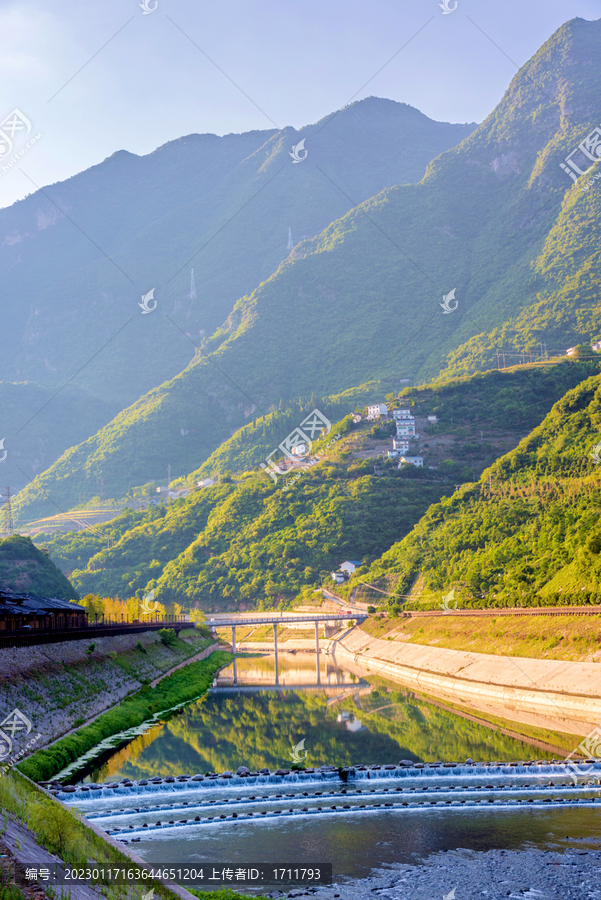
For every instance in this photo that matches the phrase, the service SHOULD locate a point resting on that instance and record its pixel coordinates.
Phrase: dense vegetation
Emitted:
(526, 534)
(493, 218)
(252, 543)
(25, 567)
(149, 703)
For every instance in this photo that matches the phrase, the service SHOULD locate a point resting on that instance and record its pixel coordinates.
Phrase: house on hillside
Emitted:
(405, 427)
(349, 565)
(400, 444)
(356, 418)
(570, 351)
(433, 419)
(338, 577)
(402, 414)
(596, 346)
(377, 410)
(412, 461)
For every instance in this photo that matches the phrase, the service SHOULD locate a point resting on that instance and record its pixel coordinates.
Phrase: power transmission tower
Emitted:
(7, 519)
(290, 244)
(192, 286)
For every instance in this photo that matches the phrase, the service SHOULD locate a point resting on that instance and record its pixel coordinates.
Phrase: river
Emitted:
(373, 818)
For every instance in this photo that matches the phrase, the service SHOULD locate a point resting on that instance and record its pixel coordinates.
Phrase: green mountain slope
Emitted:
(526, 534)
(77, 256)
(361, 301)
(253, 543)
(26, 568)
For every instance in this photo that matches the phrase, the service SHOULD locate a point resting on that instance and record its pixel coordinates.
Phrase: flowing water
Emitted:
(357, 818)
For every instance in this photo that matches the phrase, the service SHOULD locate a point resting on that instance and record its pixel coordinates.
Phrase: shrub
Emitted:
(53, 823)
(168, 637)
(91, 648)
(371, 609)
(140, 646)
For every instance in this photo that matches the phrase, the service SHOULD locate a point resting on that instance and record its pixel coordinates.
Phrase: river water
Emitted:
(334, 718)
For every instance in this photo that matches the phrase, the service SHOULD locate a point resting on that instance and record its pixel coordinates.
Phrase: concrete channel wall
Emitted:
(563, 695)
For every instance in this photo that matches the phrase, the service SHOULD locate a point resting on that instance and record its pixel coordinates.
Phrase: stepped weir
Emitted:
(135, 810)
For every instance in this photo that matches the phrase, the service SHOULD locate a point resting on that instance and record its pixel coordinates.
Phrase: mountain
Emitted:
(27, 568)
(250, 542)
(39, 424)
(526, 534)
(77, 256)
(361, 301)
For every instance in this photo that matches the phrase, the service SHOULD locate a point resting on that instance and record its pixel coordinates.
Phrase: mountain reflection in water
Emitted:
(343, 720)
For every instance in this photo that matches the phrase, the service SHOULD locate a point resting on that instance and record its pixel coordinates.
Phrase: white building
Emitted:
(401, 445)
(412, 461)
(349, 565)
(338, 577)
(570, 351)
(377, 410)
(433, 419)
(402, 414)
(596, 346)
(356, 417)
(300, 450)
(405, 428)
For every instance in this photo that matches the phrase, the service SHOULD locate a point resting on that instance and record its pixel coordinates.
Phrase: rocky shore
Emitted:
(471, 875)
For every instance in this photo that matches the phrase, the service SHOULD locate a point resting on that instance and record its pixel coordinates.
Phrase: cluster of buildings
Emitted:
(405, 432)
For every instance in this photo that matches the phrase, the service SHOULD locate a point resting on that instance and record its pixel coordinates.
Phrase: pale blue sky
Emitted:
(296, 59)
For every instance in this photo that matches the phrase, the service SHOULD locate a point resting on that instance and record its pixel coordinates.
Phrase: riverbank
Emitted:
(565, 696)
(177, 689)
(58, 687)
(471, 875)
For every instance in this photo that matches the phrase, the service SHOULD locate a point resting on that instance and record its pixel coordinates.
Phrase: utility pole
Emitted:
(192, 286)
(498, 363)
(7, 523)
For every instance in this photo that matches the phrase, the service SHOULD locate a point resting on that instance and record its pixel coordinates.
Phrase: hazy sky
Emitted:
(144, 82)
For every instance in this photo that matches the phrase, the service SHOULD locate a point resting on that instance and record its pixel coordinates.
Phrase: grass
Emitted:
(574, 638)
(63, 832)
(183, 686)
(221, 894)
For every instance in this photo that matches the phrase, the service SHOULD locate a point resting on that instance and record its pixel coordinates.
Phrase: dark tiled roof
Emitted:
(31, 604)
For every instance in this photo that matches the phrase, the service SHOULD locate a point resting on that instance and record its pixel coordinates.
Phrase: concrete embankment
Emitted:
(61, 686)
(556, 694)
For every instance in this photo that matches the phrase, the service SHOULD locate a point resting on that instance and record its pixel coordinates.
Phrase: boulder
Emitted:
(170, 779)
(406, 762)
(282, 772)
(197, 778)
(242, 770)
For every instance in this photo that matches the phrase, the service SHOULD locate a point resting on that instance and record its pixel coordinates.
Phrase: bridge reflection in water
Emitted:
(287, 671)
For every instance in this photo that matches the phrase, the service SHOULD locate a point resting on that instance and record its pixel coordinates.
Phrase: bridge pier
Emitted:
(275, 650)
(317, 651)
(234, 652)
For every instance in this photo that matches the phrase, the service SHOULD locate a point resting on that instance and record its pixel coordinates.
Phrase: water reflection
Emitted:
(343, 719)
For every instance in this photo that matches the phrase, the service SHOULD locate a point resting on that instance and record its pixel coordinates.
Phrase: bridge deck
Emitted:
(270, 620)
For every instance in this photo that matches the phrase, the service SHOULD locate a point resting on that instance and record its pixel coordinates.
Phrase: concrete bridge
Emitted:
(274, 619)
